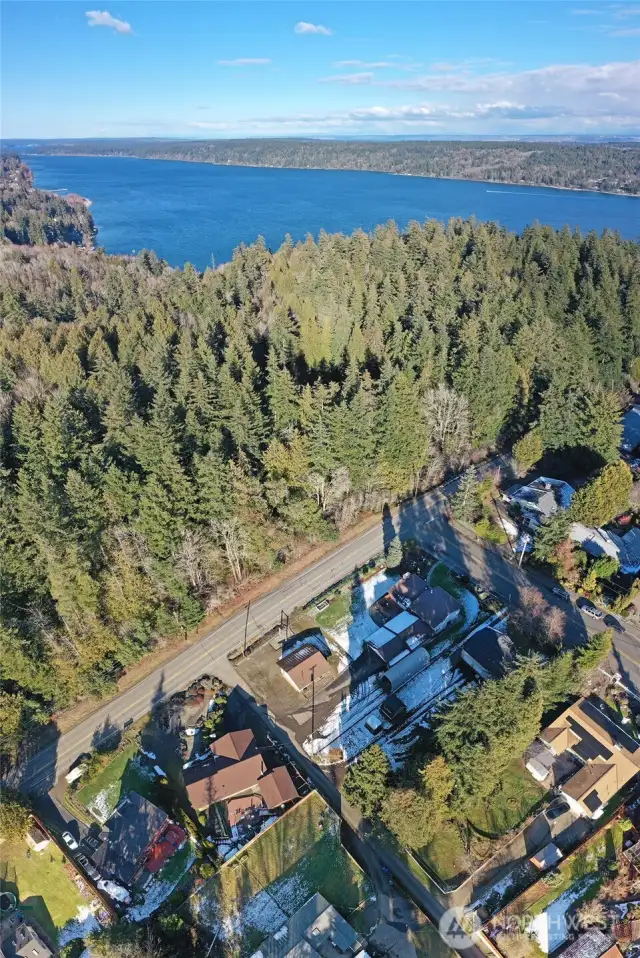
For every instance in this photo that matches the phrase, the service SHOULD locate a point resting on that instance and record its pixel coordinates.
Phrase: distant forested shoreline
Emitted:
(609, 168)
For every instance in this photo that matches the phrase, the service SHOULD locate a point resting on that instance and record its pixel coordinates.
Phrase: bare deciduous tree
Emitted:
(234, 541)
(592, 914)
(191, 560)
(449, 423)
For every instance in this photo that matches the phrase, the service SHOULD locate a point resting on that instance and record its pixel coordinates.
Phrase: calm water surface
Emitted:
(200, 212)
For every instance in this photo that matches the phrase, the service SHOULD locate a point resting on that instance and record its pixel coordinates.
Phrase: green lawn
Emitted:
(441, 575)
(42, 884)
(445, 854)
(123, 774)
(508, 806)
(336, 612)
(255, 892)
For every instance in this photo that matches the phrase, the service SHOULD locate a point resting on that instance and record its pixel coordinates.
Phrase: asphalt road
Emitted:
(423, 519)
(376, 859)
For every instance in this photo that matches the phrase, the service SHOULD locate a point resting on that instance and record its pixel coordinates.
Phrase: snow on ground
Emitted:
(228, 849)
(106, 801)
(500, 888)
(427, 684)
(349, 713)
(470, 606)
(550, 927)
(157, 891)
(82, 925)
(396, 746)
(351, 636)
(317, 639)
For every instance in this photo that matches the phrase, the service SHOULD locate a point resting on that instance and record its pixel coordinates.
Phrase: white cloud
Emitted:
(628, 32)
(590, 12)
(245, 62)
(621, 13)
(303, 27)
(366, 65)
(102, 18)
(349, 79)
(560, 98)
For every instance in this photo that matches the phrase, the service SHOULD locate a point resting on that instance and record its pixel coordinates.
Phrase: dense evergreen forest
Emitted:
(605, 167)
(166, 435)
(31, 216)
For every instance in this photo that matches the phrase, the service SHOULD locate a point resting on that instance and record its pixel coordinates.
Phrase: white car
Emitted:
(190, 732)
(70, 841)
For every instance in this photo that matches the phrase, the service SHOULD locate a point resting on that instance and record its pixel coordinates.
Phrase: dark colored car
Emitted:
(612, 623)
(561, 593)
(557, 810)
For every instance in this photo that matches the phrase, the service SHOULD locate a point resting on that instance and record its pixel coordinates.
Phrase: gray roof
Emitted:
(492, 650)
(131, 829)
(631, 429)
(434, 605)
(314, 929)
(591, 944)
(399, 674)
(27, 943)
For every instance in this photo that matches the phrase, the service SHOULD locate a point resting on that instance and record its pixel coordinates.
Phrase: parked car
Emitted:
(561, 593)
(88, 867)
(92, 841)
(557, 810)
(589, 609)
(613, 623)
(70, 841)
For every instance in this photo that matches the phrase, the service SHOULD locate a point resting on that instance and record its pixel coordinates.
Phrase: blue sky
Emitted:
(210, 69)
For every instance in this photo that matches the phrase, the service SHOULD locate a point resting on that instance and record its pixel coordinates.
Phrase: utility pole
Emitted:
(246, 629)
(313, 710)
(525, 542)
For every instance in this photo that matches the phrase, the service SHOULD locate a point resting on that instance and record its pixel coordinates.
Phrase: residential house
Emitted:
(237, 769)
(489, 652)
(397, 638)
(600, 542)
(540, 499)
(436, 608)
(24, 942)
(140, 838)
(408, 588)
(608, 756)
(304, 665)
(315, 929)
(592, 944)
(631, 429)
(393, 709)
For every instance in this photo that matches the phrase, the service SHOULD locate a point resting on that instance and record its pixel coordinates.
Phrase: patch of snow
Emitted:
(160, 772)
(79, 927)
(550, 927)
(427, 684)
(351, 636)
(499, 888)
(470, 607)
(261, 912)
(158, 891)
(317, 640)
(151, 755)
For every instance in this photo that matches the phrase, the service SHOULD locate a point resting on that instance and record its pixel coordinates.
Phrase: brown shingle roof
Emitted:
(598, 774)
(226, 782)
(234, 745)
(277, 787)
(410, 586)
(304, 664)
